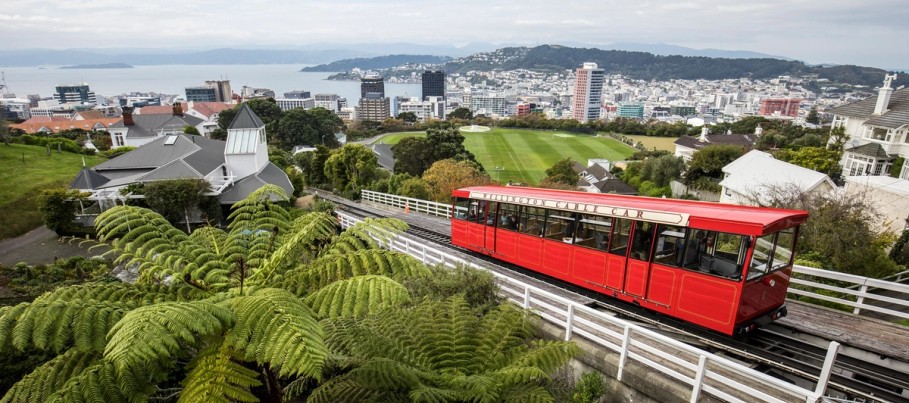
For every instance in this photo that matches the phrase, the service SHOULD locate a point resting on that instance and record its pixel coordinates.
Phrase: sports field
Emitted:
(524, 155)
(660, 143)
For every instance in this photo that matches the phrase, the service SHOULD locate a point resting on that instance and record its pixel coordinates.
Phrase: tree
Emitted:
(562, 172)
(461, 113)
(191, 130)
(408, 117)
(238, 318)
(351, 167)
(308, 127)
(445, 176)
(708, 162)
(813, 117)
(414, 187)
(412, 155)
(837, 138)
(58, 208)
(313, 165)
(266, 109)
(662, 170)
(174, 199)
(815, 158)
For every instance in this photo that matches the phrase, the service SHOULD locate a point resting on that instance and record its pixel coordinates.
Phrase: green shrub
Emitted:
(589, 389)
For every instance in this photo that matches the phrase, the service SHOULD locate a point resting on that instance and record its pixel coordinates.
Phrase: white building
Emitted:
(889, 197)
(491, 104)
(287, 104)
(753, 178)
(588, 90)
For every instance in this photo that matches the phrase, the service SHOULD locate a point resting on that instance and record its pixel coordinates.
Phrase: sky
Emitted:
(863, 32)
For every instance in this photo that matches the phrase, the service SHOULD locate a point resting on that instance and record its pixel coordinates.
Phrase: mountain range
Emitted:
(310, 54)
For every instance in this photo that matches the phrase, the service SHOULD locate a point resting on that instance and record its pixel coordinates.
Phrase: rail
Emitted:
(702, 371)
(863, 294)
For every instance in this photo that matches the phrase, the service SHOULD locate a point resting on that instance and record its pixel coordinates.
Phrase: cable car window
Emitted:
(487, 210)
(711, 252)
(619, 239)
(782, 253)
(760, 258)
(561, 225)
(532, 221)
(670, 245)
(461, 208)
(508, 216)
(643, 240)
(593, 232)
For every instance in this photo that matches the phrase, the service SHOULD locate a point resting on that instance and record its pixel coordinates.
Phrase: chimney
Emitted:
(178, 109)
(128, 116)
(883, 96)
(704, 131)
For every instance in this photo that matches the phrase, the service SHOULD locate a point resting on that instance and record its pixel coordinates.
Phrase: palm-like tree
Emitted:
(230, 315)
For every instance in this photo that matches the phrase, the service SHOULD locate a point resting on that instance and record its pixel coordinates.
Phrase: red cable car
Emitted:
(721, 266)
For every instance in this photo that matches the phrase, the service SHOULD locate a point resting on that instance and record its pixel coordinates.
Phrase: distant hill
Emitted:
(647, 66)
(376, 63)
(39, 57)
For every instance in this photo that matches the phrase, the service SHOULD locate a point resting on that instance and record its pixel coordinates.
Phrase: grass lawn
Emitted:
(26, 170)
(660, 143)
(524, 155)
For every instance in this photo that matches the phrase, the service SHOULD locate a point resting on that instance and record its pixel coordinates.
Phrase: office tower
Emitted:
(588, 88)
(433, 84)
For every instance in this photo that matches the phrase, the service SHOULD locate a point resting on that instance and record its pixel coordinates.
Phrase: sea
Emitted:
(173, 80)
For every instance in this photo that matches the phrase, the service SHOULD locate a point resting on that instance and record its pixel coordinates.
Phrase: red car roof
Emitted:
(723, 217)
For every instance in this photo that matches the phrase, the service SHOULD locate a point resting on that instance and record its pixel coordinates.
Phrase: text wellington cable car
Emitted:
(720, 266)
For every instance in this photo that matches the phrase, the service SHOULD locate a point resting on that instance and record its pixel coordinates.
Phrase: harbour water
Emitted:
(173, 79)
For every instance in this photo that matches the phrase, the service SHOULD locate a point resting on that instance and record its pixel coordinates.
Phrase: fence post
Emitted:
(624, 355)
(569, 322)
(699, 378)
(824, 378)
(861, 298)
(526, 297)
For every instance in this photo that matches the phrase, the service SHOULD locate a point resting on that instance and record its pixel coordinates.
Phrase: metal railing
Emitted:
(863, 295)
(416, 205)
(700, 370)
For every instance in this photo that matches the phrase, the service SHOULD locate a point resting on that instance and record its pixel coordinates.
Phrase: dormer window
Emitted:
(170, 140)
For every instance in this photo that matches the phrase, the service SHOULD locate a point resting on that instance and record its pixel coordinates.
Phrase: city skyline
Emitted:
(837, 31)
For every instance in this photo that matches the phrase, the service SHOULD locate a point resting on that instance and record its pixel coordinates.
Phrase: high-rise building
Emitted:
(297, 94)
(75, 94)
(433, 84)
(372, 83)
(212, 91)
(588, 89)
(630, 110)
(328, 101)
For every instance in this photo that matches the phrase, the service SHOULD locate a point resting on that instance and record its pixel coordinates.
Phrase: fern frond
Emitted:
(362, 235)
(49, 377)
(101, 382)
(357, 297)
(172, 323)
(527, 393)
(343, 389)
(328, 269)
(211, 238)
(547, 355)
(215, 377)
(307, 231)
(273, 326)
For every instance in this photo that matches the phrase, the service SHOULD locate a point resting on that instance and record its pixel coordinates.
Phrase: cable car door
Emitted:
(489, 227)
(637, 268)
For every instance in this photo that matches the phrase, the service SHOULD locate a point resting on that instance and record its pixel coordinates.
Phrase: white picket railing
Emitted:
(702, 371)
(871, 295)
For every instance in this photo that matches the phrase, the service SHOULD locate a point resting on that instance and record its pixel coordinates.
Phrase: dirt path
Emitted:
(42, 246)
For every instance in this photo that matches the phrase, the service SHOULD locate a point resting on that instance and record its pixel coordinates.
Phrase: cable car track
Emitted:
(767, 350)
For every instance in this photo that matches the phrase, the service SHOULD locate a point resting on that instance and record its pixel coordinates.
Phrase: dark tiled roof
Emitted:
(150, 125)
(177, 169)
(896, 115)
(245, 119)
(871, 150)
(743, 140)
(269, 174)
(88, 179)
(577, 167)
(597, 171)
(151, 155)
(616, 186)
(209, 157)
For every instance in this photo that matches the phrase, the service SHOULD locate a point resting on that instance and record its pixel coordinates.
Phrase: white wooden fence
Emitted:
(863, 294)
(702, 371)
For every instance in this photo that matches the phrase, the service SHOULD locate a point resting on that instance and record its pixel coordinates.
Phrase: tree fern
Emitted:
(215, 377)
(43, 381)
(174, 324)
(367, 234)
(358, 296)
(308, 231)
(328, 269)
(274, 327)
(102, 382)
